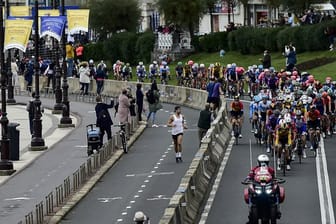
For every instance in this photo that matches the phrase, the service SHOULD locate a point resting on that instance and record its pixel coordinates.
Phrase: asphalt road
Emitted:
(144, 179)
(302, 204)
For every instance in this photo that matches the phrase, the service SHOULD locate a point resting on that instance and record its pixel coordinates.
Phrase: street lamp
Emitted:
(6, 166)
(10, 99)
(37, 142)
(65, 120)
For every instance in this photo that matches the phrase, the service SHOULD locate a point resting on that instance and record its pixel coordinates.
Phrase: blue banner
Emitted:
(52, 26)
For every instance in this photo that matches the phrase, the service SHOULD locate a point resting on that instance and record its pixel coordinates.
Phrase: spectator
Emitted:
(123, 108)
(70, 54)
(15, 75)
(79, 52)
(216, 92)
(204, 122)
(331, 33)
(51, 76)
(209, 89)
(28, 74)
(104, 120)
(31, 113)
(266, 60)
(291, 59)
(84, 77)
(100, 77)
(139, 100)
(153, 98)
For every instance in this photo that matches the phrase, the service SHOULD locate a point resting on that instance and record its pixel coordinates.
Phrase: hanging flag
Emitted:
(78, 20)
(48, 12)
(17, 34)
(52, 26)
(19, 11)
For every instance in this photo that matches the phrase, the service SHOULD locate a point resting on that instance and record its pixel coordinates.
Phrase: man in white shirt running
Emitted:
(176, 121)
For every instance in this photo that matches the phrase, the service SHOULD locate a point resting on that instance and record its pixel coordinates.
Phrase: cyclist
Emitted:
(237, 114)
(164, 72)
(232, 78)
(313, 117)
(153, 70)
(271, 124)
(179, 72)
(327, 109)
(319, 103)
(253, 115)
(263, 106)
(283, 139)
(141, 71)
(301, 129)
(252, 79)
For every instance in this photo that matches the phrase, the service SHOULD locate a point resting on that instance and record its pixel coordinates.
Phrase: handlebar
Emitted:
(276, 180)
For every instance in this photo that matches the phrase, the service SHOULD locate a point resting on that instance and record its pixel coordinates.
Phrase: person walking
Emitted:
(28, 74)
(204, 122)
(177, 123)
(100, 77)
(139, 101)
(103, 118)
(153, 98)
(84, 77)
(70, 54)
(15, 75)
(123, 108)
(31, 113)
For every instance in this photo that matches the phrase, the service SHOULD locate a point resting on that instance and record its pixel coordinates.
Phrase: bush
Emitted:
(213, 42)
(94, 51)
(144, 46)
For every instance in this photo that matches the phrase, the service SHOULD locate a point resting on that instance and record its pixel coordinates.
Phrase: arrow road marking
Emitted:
(106, 200)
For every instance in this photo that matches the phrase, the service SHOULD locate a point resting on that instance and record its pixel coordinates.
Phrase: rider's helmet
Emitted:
(265, 97)
(236, 97)
(179, 63)
(324, 94)
(202, 65)
(228, 66)
(217, 64)
(263, 160)
(155, 62)
(233, 65)
(277, 113)
(282, 123)
(288, 119)
(330, 92)
(164, 63)
(190, 62)
(90, 61)
(272, 69)
(139, 216)
(298, 113)
(140, 63)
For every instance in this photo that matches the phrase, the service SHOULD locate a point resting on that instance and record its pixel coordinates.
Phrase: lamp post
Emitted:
(37, 142)
(6, 166)
(10, 99)
(65, 120)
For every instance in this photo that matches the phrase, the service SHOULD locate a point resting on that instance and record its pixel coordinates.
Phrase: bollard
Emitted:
(67, 187)
(29, 218)
(49, 203)
(89, 166)
(75, 180)
(39, 213)
(59, 195)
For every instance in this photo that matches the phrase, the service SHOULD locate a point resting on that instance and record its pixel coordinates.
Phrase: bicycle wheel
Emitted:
(124, 143)
(236, 132)
(283, 162)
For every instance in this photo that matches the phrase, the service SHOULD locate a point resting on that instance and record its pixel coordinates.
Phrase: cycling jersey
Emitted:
(283, 136)
(237, 106)
(263, 107)
(313, 115)
(301, 125)
(319, 105)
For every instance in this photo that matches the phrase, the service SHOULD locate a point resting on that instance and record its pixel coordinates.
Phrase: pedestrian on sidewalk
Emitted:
(84, 77)
(204, 122)
(124, 107)
(31, 113)
(153, 98)
(177, 122)
(139, 100)
(104, 120)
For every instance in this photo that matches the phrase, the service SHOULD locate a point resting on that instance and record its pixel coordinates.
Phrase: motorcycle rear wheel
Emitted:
(274, 215)
(254, 215)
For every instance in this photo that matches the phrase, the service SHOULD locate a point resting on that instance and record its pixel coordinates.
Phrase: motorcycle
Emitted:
(264, 196)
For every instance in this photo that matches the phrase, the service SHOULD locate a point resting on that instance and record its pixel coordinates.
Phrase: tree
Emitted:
(183, 13)
(110, 16)
(298, 6)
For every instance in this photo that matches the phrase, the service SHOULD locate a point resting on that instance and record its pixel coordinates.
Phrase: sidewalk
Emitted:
(50, 132)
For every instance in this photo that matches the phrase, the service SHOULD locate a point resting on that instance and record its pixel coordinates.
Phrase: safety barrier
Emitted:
(194, 187)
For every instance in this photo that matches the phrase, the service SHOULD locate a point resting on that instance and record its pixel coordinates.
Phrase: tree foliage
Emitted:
(184, 13)
(110, 16)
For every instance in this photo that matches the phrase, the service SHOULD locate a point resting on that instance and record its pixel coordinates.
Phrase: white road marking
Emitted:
(326, 205)
(17, 199)
(80, 146)
(150, 174)
(215, 186)
(107, 200)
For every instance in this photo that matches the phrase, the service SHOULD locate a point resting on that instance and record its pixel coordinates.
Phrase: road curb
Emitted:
(87, 187)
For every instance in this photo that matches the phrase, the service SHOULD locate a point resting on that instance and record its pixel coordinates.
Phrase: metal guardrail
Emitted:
(71, 184)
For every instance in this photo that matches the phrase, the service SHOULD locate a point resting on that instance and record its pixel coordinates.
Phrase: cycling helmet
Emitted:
(321, 91)
(282, 123)
(298, 113)
(260, 67)
(236, 97)
(155, 62)
(330, 92)
(264, 97)
(139, 216)
(91, 61)
(272, 69)
(164, 63)
(179, 63)
(140, 63)
(256, 99)
(280, 98)
(190, 62)
(254, 66)
(195, 65)
(324, 94)
(263, 160)
(309, 100)
(277, 113)
(211, 65)
(228, 66)
(202, 65)
(325, 88)
(217, 64)
(233, 65)
(288, 120)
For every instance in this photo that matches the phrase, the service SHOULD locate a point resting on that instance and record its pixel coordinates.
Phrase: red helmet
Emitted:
(190, 62)
(324, 94)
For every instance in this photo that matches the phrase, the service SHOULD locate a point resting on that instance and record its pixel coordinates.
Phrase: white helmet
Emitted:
(140, 63)
(282, 123)
(202, 65)
(91, 61)
(288, 119)
(154, 62)
(263, 160)
(139, 216)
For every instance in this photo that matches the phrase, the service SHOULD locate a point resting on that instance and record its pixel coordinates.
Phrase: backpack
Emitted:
(150, 97)
(103, 116)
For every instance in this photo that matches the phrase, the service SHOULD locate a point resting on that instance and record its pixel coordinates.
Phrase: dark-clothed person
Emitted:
(100, 77)
(266, 61)
(104, 121)
(139, 100)
(204, 122)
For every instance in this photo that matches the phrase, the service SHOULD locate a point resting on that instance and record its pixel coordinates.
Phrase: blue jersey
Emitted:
(253, 108)
(263, 107)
